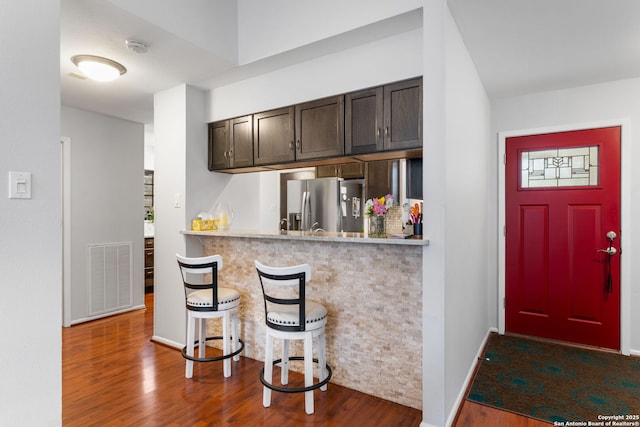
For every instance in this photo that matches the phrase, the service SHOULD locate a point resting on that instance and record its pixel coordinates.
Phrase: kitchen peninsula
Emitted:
(372, 289)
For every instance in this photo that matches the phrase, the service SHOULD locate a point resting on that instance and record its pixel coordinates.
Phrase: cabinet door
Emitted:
(148, 258)
(346, 171)
(327, 171)
(381, 178)
(363, 121)
(320, 128)
(219, 145)
(403, 115)
(352, 170)
(241, 151)
(273, 137)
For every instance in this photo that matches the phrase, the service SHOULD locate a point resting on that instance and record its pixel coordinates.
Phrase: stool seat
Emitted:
(315, 316)
(227, 298)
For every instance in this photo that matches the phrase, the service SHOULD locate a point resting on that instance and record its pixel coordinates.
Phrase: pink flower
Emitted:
(379, 206)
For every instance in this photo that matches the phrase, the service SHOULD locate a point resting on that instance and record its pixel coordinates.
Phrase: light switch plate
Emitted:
(19, 185)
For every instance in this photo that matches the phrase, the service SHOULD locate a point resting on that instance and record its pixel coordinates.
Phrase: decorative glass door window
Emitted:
(567, 167)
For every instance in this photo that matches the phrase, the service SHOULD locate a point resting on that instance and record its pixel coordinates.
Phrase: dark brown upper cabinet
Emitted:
(241, 154)
(218, 145)
(273, 137)
(364, 121)
(380, 123)
(384, 118)
(403, 115)
(320, 128)
(231, 143)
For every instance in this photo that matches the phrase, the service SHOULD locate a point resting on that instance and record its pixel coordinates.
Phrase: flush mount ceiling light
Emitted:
(98, 68)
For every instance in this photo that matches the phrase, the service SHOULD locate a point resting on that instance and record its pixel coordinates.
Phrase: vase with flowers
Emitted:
(375, 210)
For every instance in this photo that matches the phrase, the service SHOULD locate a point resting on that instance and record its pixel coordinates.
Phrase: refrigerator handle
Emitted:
(303, 209)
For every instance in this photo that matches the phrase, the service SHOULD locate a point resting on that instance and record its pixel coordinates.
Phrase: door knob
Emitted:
(609, 251)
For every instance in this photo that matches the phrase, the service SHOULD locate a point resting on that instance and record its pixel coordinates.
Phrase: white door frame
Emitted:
(625, 216)
(65, 184)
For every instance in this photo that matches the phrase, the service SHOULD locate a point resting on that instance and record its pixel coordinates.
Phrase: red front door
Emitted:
(562, 198)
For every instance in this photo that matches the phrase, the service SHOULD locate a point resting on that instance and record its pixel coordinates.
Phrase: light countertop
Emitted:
(309, 236)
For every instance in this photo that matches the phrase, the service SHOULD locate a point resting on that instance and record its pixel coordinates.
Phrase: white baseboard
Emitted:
(634, 352)
(103, 315)
(167, 342)
(469, 378)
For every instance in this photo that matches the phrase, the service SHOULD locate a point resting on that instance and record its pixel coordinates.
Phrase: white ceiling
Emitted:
(518, 46)
(524, 46)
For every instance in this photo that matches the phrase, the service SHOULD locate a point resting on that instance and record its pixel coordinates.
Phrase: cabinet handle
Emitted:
(378, 133)
(230, 153)
(291, 145)
(386, 131)
(298, 144)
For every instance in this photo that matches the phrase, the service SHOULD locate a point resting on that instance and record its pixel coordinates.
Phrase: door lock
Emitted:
(611, 235)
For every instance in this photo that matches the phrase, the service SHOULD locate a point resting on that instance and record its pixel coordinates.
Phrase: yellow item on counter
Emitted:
(203, 225)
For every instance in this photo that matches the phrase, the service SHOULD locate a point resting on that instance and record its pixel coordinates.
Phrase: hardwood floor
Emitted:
(474, 414)
(113, 375)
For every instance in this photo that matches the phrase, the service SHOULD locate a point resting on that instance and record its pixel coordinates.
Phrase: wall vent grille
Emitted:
(109, 267)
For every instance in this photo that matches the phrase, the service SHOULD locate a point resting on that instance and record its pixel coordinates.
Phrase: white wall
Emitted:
(394, 58)
(469, 178)
(107, 170)
(269, 28)
(169, 184)
(433, 264)
(589, 104)
(30, 232)
(457, 178)
(181, 174)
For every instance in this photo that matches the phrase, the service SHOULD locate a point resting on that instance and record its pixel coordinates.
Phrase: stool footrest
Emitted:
(300, 389)
(212, 359)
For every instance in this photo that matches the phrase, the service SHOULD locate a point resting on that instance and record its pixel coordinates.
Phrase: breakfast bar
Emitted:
(371, 287)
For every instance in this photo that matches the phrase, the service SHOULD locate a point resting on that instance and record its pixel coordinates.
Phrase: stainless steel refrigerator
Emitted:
(328, 204)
